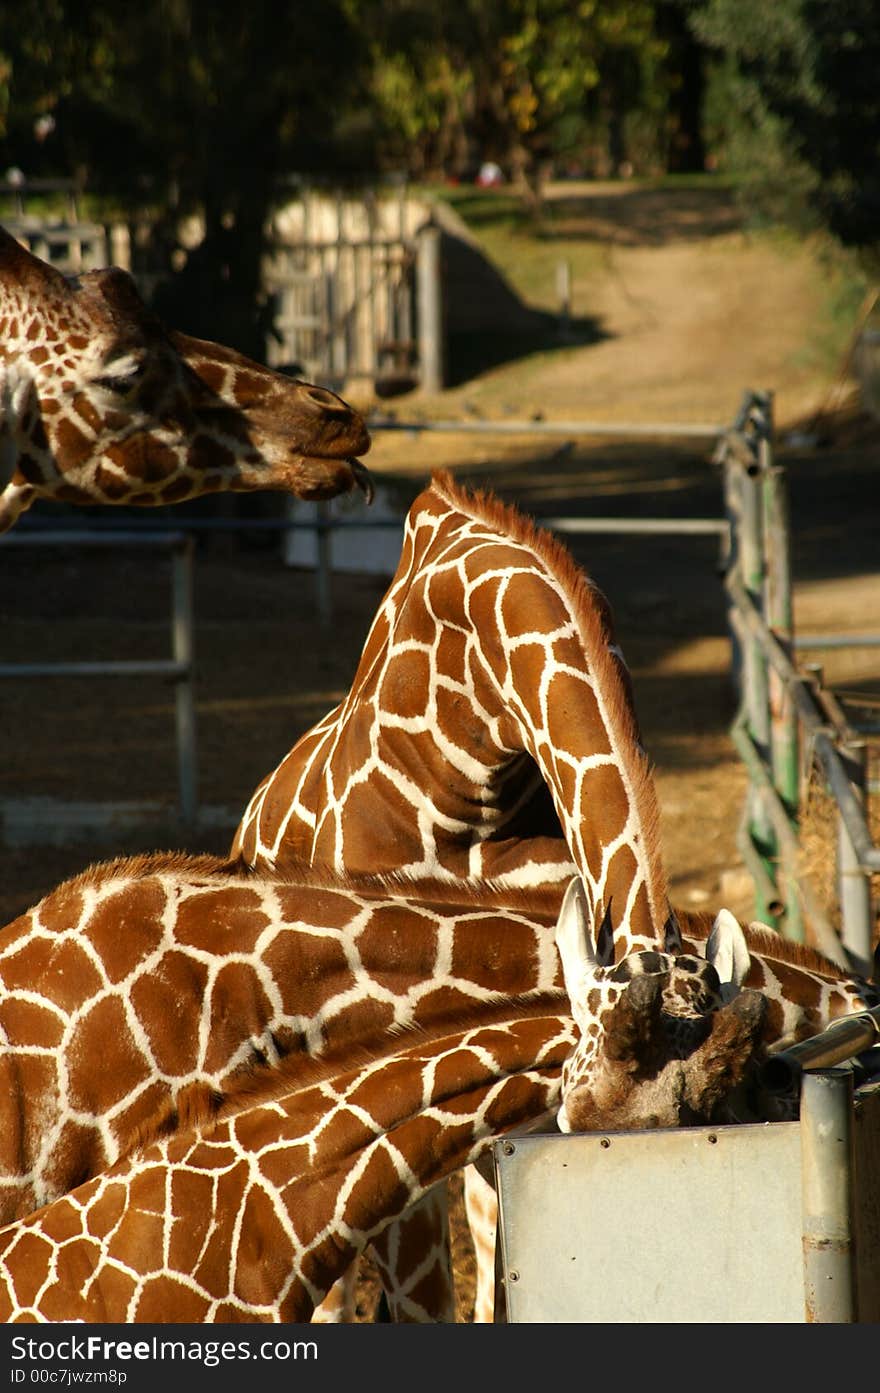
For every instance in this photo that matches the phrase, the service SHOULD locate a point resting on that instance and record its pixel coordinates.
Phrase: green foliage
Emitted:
(795, 107)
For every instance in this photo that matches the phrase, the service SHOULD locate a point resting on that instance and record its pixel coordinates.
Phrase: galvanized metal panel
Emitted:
(677, 1226)
(866, 1202)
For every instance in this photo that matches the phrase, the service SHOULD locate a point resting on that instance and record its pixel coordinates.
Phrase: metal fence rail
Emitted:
(177, 669)
(785, 719)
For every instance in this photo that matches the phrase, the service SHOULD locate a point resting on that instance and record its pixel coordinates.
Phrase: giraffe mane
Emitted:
(538, 902)
(770, 944)
(592, 614)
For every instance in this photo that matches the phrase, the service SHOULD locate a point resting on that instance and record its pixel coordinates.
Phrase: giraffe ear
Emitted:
(580, 962)
(728, 952)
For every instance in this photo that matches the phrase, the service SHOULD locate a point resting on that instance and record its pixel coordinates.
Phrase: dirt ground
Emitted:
(266, 668)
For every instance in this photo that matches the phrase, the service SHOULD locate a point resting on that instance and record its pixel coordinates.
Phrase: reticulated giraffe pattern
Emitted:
(163, 978)
(254, 1214)
(489, 732)
(100, 403)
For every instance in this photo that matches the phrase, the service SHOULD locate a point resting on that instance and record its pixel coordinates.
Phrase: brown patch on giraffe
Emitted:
(317, 963)
(103, 1034)
(192, 1204)
(343, 1135)
(161, 1294)
(405, 686)
(449, 652)
(237, 997)
(443, 1003)
(377, 1177)
(74, 444)
(157, 996)
(151, 464)
(126, 927)
(806, 991)
(490, 946)
(207, 454)
(212, 1156)
(396, 945)
(113, 485)
(363, 1019)
(102, 1216)
(88, 413)
(238, 909)
(374, 812)
(65, 963)
(176, 491)
(141, 1227)
(263, 1265)
(33, 1026)
(582, 734)
(35, 1254)
(303, 904)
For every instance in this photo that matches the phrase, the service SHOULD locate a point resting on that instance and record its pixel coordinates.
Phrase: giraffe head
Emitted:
(101, 403)
(664, 1040)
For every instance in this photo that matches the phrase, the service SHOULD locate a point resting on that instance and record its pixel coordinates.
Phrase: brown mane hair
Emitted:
(592, 614)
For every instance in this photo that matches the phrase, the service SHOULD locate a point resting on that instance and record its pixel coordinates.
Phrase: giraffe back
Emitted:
(164, 978)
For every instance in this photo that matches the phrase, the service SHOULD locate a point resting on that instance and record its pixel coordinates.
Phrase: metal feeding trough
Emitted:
(775, 1222)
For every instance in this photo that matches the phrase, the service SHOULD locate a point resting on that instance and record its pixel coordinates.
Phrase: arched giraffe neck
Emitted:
(489, 730)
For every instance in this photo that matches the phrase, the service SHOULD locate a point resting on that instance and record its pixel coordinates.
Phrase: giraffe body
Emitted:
(100, 403)
(158, 980)
(254, 1214)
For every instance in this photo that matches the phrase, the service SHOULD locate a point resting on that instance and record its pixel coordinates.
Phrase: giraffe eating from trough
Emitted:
(153, 985)
(252, 1212)
(490, 732)
(101, 403)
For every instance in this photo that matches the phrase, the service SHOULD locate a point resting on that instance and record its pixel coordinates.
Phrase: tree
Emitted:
(800, 110)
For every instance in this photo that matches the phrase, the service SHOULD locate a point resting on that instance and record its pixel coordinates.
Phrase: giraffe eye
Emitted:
(123, 373)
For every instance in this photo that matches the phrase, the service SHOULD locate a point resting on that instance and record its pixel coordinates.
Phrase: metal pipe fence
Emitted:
(784, 714)
(785, 720)
(177, 669)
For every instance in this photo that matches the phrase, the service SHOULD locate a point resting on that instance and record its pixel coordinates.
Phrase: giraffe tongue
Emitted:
(363, 479)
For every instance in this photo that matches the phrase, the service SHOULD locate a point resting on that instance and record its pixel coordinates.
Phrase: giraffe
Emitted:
(490, 731)
(101, 403)
(160, 980)
(252, 1212)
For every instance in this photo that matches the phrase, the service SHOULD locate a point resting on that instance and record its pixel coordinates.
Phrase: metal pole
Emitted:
(757, 697)
(182, 627)
(826, 1188)
(430, 309)
(784, 748)
(854, 885)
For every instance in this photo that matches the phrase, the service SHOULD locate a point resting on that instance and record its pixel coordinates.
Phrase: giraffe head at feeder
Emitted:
(665, 1040)
(102, 403)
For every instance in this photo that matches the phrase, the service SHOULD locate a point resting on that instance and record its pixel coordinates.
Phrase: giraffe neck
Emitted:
(489, 730)
(217, 975)
(254, 1215)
